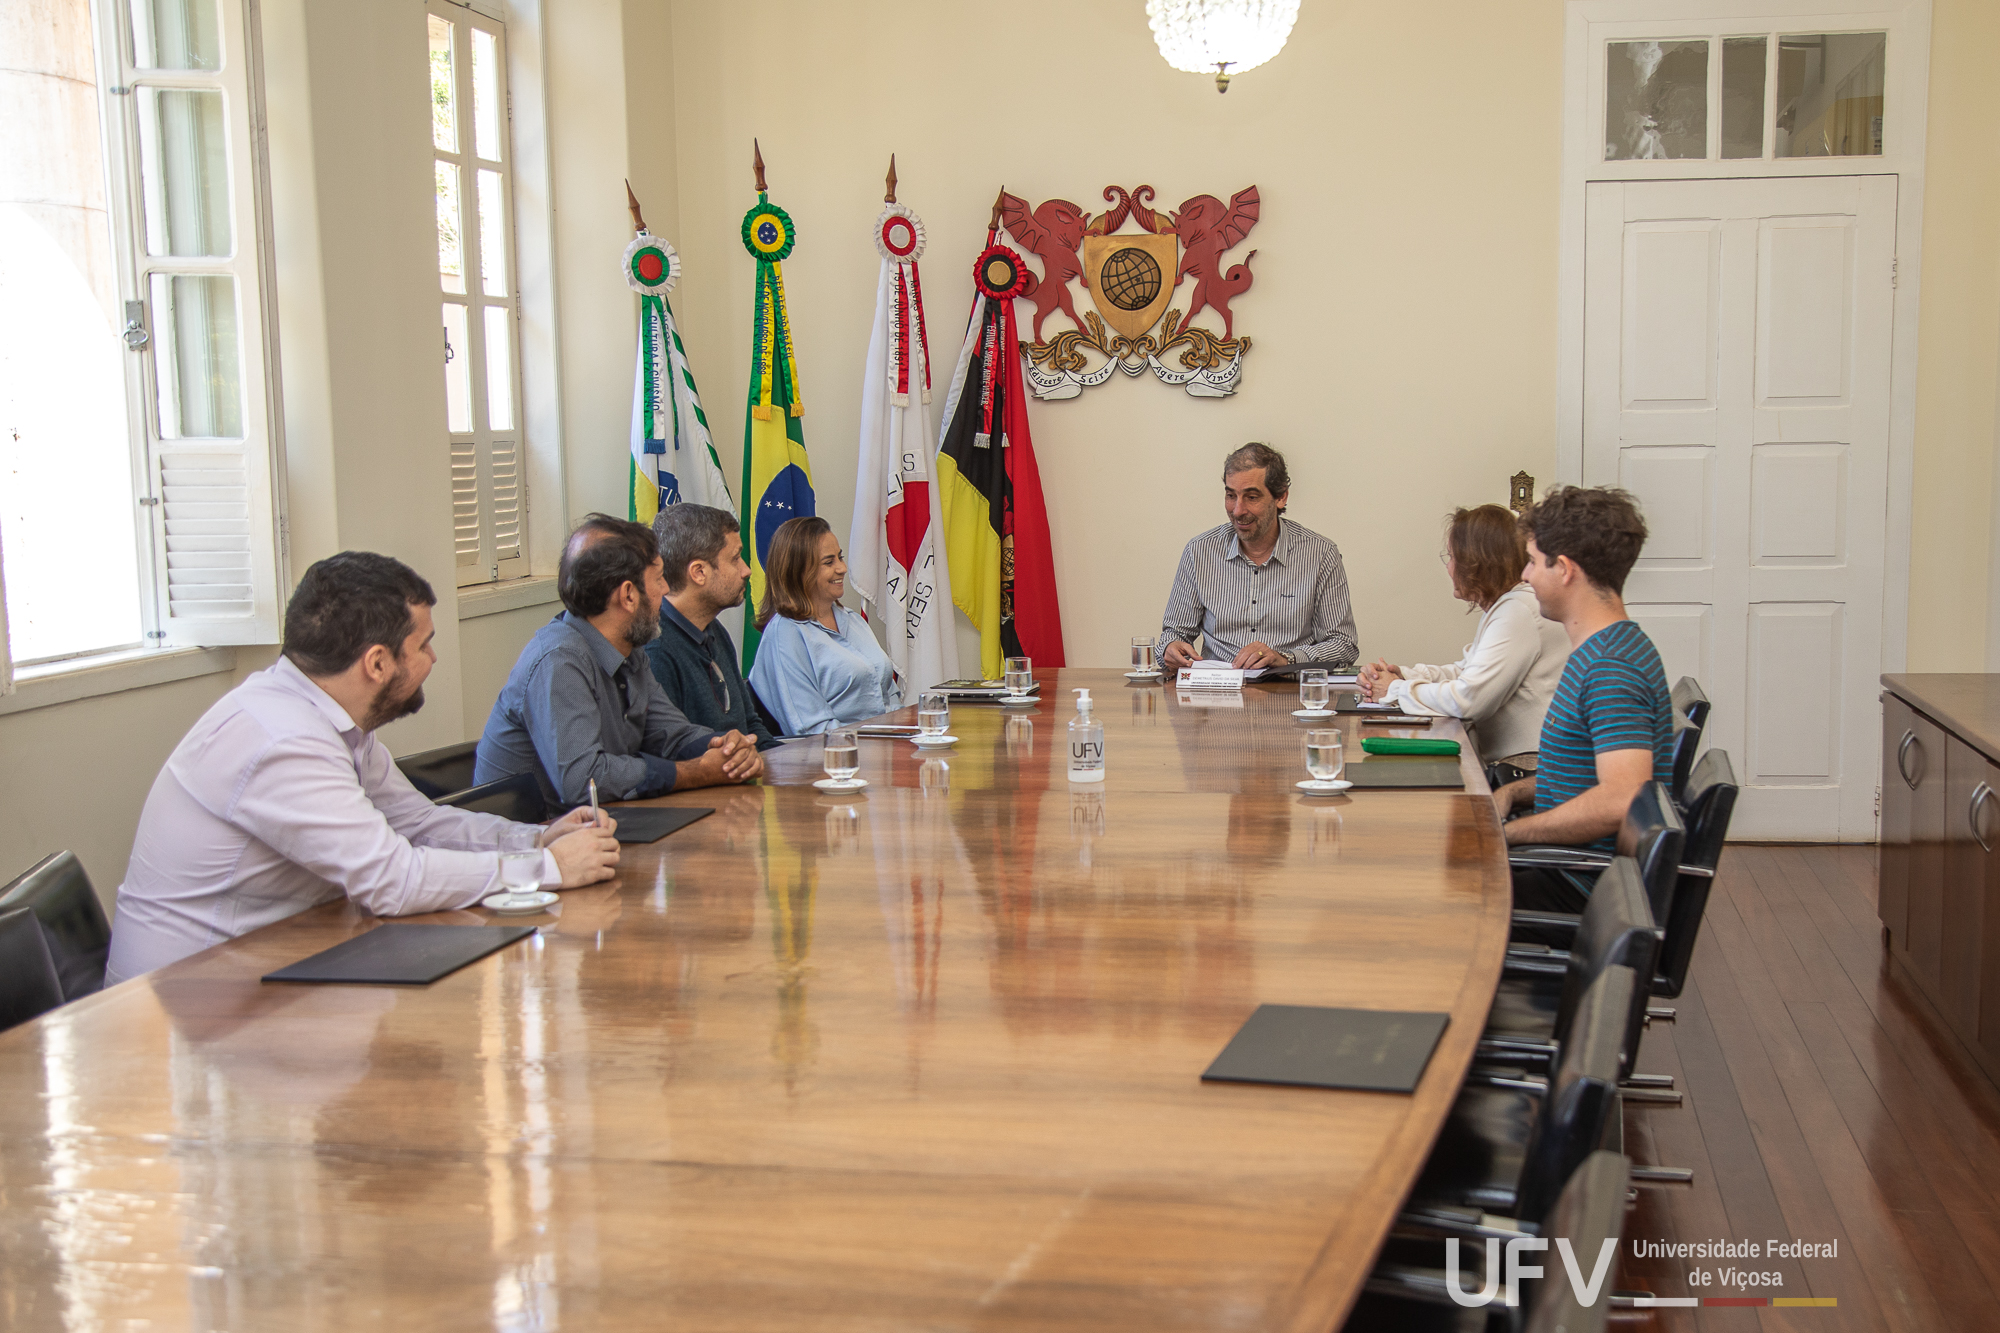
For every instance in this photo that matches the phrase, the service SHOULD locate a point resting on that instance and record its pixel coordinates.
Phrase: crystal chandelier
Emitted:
(1227, 36)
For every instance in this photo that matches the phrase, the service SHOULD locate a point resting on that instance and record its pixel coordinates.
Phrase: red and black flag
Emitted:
(996, 531)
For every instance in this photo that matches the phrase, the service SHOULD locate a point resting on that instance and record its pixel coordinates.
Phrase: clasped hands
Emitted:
(1375, 680)
(730, 757)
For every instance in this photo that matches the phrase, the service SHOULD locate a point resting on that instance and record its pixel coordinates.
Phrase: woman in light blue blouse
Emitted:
(818, 665)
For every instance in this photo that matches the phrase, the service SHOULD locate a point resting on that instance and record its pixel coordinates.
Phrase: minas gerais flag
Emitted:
(673, 458)
(997, 533)
(777, 476)
(895, 553)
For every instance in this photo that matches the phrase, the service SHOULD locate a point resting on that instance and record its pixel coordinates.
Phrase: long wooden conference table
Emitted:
(925, 1057)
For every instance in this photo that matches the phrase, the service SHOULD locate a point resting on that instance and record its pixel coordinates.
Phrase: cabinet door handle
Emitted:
(1902, 753)
(1980, 794)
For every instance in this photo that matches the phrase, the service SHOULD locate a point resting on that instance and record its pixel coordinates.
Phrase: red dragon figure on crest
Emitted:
(1207, 228)
(1052, 232)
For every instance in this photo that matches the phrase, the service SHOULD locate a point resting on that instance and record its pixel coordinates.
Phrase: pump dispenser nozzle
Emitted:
(1082, 700)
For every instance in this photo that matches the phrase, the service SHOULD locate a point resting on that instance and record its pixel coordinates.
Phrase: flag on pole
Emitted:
(777, 476)
(996, 530)
(673, 458)
(894, 554)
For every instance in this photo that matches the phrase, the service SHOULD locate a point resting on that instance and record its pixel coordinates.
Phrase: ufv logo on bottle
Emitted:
(1087, 752)
(1586, 1292)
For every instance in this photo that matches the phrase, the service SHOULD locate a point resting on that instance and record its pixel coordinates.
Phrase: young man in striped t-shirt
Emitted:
(1609, 729)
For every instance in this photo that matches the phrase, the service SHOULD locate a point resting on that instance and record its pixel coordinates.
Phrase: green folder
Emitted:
(1407, 745)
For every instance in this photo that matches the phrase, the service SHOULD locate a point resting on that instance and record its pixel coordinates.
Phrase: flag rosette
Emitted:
(673, 456)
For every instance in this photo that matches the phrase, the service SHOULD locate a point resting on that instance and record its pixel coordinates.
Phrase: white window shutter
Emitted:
(215, 544)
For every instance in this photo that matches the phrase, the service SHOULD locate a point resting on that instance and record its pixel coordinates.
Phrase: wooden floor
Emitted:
(1825, 1102)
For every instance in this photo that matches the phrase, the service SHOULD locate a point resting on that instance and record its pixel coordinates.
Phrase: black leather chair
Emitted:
(1690, 720)
(1510, 1143)
(1539, 995)
(1590, 1211)
(442, 771)
(29, 986)
(518, 798)
(73, 924)
(770, 718)
(1652, 834)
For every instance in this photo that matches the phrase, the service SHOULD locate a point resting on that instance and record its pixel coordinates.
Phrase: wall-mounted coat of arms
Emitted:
(1133, 261)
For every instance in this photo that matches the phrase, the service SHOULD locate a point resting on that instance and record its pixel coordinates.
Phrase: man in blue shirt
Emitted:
(694, 659)
(581, 704)
(1609, 729)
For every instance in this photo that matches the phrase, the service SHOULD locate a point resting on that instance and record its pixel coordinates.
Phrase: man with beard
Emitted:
(581, 704)
(694, 659)
(282, 797)
(1260, 591)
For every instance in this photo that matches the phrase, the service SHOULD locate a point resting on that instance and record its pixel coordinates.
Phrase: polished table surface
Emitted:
(925, 1057)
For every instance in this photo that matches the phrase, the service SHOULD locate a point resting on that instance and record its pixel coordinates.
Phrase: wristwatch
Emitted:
(1289, 659)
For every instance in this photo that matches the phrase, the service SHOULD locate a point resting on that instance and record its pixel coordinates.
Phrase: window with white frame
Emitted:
(469, 121)
(137, 503)
(1768, 95)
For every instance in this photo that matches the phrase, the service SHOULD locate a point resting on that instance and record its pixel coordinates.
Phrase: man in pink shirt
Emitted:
(282, 798)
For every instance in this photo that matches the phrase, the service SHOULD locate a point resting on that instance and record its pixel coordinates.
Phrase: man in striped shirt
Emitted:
(1260, 590)
(1609, 729)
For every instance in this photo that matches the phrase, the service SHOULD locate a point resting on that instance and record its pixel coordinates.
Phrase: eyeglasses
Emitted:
(719, 685)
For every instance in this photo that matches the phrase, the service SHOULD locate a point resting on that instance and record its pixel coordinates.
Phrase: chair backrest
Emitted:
(1690, 720)
(1590, 1212)
(771, 722)
(1653, 835)
(1711, 800)
(73, 924)
(442, 771)
(1579, 1109)
(1617, 930)
(29, 986)
(518, 798)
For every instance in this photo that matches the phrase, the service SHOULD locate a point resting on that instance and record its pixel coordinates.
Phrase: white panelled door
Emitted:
(1736, 380)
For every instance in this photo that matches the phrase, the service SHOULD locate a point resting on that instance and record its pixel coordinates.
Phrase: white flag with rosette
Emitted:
(673, 458)
(896, 554)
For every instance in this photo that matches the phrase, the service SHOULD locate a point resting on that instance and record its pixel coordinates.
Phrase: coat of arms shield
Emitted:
(1131, 278)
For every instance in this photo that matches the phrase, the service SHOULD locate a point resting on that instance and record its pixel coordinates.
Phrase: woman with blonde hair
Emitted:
(1503, 684)
(818, 666)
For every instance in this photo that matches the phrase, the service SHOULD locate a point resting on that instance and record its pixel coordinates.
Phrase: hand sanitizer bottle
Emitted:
(1086, 743)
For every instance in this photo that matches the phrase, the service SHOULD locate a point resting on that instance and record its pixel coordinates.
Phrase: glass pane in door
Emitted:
(184, 172)
(176, 34)
(1830, 94)
(1743, 60)
(1655, 99)
(457, 370)
(197, 371)
(444, 89)
(451, 232)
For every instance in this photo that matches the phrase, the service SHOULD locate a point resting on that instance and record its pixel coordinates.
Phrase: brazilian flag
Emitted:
(777, 475)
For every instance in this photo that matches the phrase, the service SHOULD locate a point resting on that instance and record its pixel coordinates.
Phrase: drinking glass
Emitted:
(1325, 759)
(1019, 676)
(1142, 656)
(933, 713)
(521, 872)
(1314, 689)
(843, 754)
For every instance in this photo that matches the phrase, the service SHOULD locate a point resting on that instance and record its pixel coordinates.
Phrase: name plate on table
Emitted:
(1209, 678)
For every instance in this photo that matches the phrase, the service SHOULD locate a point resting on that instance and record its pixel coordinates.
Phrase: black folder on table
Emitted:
(650, 823)
(1398, 770)
(402, 954)
(1305, 1046)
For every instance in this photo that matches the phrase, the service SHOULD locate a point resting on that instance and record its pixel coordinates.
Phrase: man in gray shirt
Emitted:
(582, 703)
(1260, 590)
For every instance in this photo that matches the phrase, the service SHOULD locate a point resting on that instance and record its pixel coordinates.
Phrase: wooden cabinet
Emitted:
(1940, 850)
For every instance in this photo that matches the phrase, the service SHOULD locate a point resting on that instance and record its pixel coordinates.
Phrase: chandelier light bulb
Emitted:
(1225, 37)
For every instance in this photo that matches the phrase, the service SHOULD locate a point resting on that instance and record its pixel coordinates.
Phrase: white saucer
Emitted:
(507, 904)
(851, 784)
(1312, 712)
(1142, 675)
(1019, 699)
(933, 742)
(1327, 788)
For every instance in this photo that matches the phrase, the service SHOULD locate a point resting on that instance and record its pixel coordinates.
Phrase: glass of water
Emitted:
(521, 872)
(1142, 657)
(1325, 758)
(933, 713)
(843, 754)
(1314, 690)
(1019, 676)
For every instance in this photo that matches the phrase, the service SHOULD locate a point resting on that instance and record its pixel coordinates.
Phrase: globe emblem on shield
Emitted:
(1130, 279)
